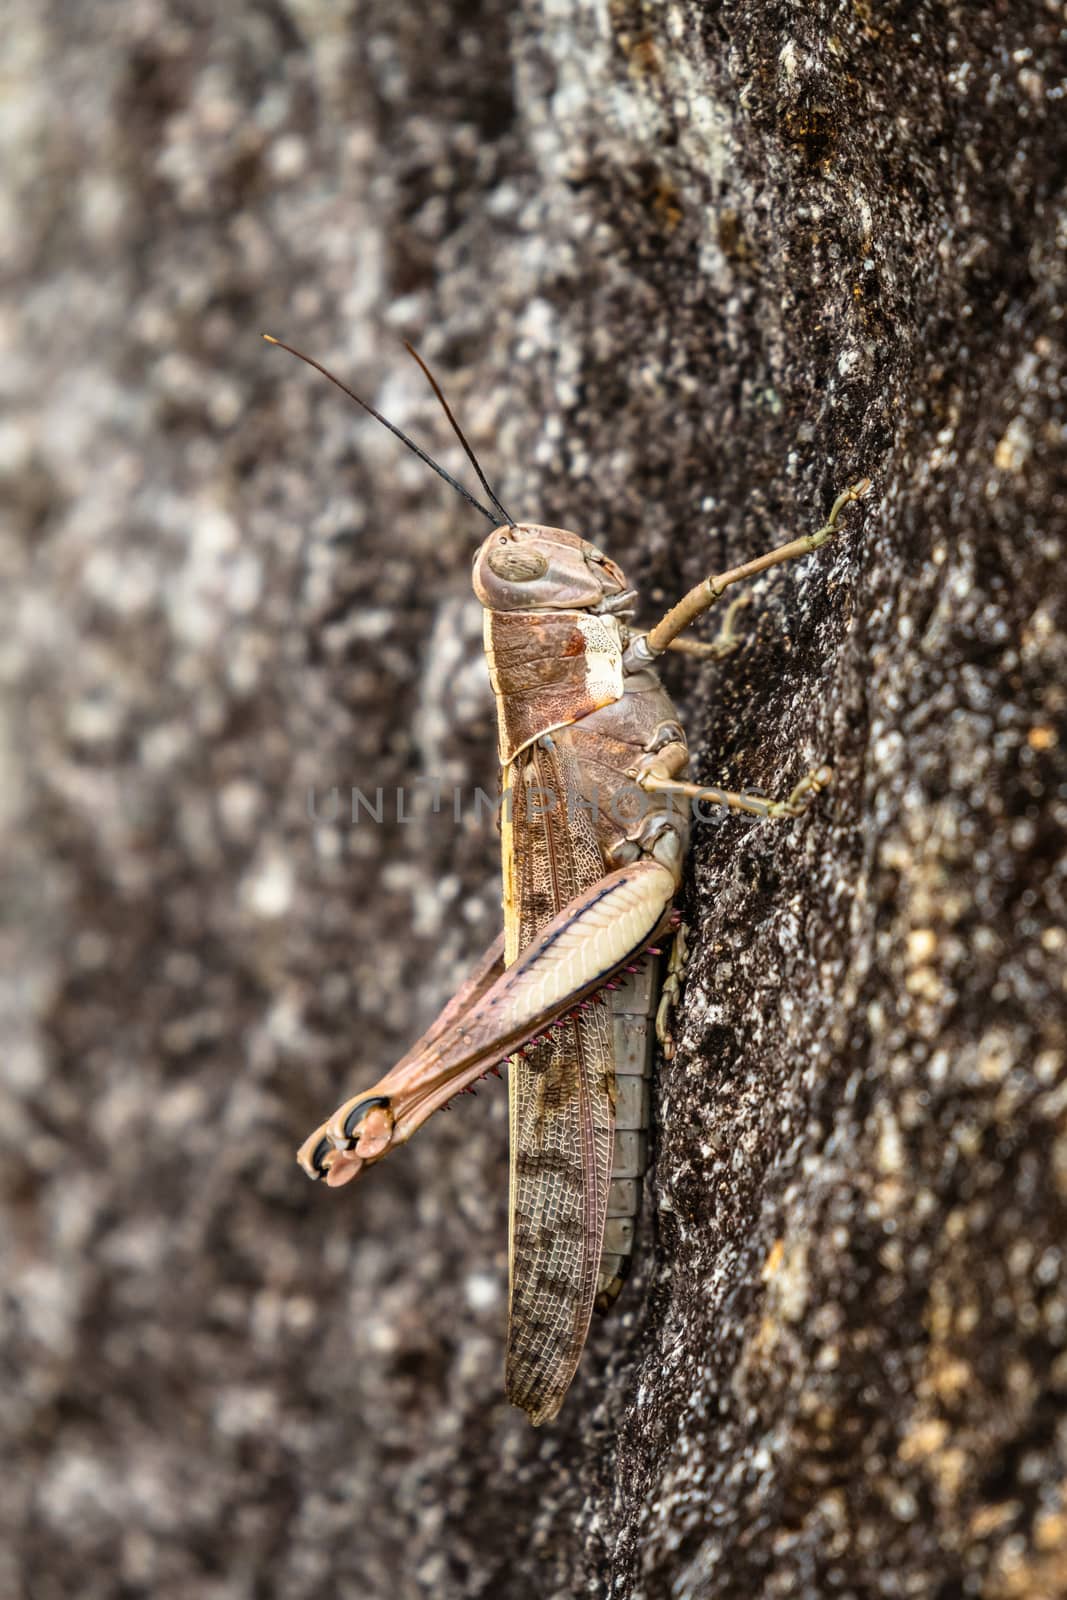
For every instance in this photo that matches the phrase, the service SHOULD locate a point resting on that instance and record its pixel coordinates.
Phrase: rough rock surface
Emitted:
(686, 271)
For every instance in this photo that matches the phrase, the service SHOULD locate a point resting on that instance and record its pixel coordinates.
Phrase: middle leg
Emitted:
(755, 805)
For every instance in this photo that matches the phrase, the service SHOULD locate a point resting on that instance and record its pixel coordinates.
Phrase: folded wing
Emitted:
(561, 1098)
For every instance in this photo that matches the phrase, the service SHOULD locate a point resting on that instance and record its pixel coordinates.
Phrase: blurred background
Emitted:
(684, 273)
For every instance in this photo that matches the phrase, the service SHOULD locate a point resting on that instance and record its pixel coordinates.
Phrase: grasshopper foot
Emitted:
(671, 992)
(358, 1132)
(315, 1153)
(726, 641)
(810, 785)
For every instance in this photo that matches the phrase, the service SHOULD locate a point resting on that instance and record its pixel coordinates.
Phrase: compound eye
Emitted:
(517, 563)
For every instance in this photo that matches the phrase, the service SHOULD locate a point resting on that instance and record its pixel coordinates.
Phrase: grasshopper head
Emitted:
(528, 567)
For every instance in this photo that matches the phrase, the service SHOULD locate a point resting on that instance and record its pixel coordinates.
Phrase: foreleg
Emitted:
(646, 647)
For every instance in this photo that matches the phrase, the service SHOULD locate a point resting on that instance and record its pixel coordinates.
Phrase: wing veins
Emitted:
(547, 1329)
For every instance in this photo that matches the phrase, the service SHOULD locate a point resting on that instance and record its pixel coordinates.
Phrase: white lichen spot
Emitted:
(239, 804)
(889, 1151)
(792, 1283)
(287, 157)
(1014, 448)
(380, 1334)
(537, 327)
(245, 1409)
(996, 1056)
(163, 747)
(244, 582)
(787, 59)
(181, 1108)
(268, 888)
(95, 720)
(1032, 84)
(78, 1488)
(125, 581)
(482, 1291)
(299, 1312)
(922, 943)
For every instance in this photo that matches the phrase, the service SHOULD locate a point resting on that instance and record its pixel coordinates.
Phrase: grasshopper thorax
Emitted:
(528, 567)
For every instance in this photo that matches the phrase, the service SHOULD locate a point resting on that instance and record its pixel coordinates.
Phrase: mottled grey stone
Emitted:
(685, 271)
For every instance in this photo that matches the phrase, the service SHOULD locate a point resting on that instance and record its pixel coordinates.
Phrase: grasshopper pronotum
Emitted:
(594, 830)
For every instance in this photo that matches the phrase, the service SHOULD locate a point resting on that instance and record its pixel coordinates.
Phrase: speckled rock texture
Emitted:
(685, 271)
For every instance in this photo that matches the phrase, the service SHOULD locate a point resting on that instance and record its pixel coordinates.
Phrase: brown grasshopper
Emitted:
(594, 830)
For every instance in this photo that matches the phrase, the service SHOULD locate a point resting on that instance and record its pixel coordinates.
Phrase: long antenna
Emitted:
(430, 462)
(458, 431)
